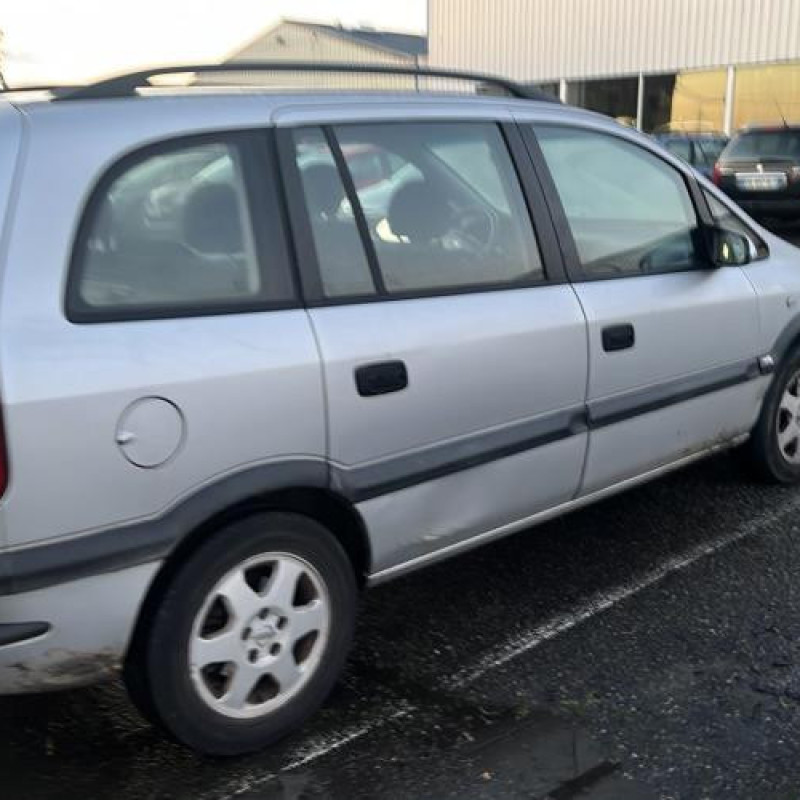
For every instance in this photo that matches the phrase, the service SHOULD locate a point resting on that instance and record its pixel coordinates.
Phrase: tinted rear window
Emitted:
(759, 144)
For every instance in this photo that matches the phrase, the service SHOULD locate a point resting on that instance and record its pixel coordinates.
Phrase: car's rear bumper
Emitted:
(788, 207)
(71, 634)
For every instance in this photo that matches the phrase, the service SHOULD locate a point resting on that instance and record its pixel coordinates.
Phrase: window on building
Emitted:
(616, 97)
(630, 213)
(767, 94)
(698, 101)
(551, 87)
(659, 91)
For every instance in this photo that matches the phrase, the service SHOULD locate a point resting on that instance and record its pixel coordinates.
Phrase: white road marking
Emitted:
(603, 600)
(519, 645)
(320, 749)
(315, 748)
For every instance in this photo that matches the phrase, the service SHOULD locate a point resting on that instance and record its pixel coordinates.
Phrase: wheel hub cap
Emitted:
(260, 635)
(787, 424)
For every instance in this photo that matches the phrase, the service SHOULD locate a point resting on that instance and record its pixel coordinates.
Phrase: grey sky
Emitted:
(74, 40)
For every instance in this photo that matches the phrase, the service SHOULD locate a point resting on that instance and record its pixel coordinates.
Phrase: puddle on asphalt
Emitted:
(449, 744)
(452, 747)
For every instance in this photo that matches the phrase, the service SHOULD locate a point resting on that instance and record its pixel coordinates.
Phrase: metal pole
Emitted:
(640, 103)
(3, 84)
(730, 100)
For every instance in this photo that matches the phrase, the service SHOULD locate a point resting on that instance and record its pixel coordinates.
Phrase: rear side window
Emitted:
(171, 232)
(442, 210)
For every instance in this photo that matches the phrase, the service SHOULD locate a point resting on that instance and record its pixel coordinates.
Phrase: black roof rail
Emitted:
(56, 90)
(126, 85)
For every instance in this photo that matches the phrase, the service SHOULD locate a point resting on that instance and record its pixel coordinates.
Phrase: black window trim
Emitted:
(572, 262)
(264, 203)
(734, 211)
(346, 177)
(308, 263)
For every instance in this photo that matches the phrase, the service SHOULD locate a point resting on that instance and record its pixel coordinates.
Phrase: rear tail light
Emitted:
(716, 175)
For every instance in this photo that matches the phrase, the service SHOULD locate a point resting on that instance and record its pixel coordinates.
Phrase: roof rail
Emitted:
(126, 85)
(56, 90)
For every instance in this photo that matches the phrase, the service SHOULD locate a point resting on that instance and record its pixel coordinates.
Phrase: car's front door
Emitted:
(673, 340)
(455, 367)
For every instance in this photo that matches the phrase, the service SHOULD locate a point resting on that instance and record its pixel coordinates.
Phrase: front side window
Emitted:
(441, 204)
(630, 213)
(172, 231)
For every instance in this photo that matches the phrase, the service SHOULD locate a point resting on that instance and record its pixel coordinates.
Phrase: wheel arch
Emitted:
(788, 341)
(318, 502)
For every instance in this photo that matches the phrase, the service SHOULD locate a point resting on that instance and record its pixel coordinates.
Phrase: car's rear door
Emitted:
(454, 352)
(673, 340)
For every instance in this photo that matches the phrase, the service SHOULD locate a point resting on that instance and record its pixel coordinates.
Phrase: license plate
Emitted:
(760, 181)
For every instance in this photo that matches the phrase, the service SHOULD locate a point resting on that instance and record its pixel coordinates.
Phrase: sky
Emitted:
(73, 41)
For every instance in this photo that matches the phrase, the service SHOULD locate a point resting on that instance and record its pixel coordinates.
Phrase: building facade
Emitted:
(693, 64)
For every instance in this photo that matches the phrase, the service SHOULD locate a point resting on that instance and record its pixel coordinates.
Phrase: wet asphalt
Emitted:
(646, 647)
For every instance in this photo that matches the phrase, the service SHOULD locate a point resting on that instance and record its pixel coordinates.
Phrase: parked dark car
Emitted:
(760, 170)
(701, 150)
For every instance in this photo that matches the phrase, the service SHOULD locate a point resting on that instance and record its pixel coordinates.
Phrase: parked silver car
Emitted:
(229, 405)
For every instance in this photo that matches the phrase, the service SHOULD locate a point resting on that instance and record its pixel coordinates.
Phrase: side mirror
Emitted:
(729, 248)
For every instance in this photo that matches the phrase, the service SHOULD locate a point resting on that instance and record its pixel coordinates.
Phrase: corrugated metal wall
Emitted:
(543, 40)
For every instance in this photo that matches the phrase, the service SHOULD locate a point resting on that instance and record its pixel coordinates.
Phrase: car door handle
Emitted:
(618, 337)
(381, 378)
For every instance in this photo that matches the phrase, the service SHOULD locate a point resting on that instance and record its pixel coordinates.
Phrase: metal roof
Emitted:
(405, 43)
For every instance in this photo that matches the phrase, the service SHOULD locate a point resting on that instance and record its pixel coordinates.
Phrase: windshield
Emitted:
(763, 144)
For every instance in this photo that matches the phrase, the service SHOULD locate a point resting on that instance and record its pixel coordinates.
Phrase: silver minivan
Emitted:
(260, 350)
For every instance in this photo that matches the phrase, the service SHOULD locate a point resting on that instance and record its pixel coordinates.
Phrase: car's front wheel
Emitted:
(249, 637)
(775, 441)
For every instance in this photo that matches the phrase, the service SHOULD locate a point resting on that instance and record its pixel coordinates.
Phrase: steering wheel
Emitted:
(475, 229)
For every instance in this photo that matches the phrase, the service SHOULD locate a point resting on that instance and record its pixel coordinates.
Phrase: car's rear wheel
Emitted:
(249, 637)
(775, 441)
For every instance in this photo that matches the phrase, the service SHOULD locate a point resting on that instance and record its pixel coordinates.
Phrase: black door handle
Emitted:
(381, 378)
(618, 337)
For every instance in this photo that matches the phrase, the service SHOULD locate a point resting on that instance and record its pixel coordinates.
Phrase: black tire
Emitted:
(765, 451)
(158, 668)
